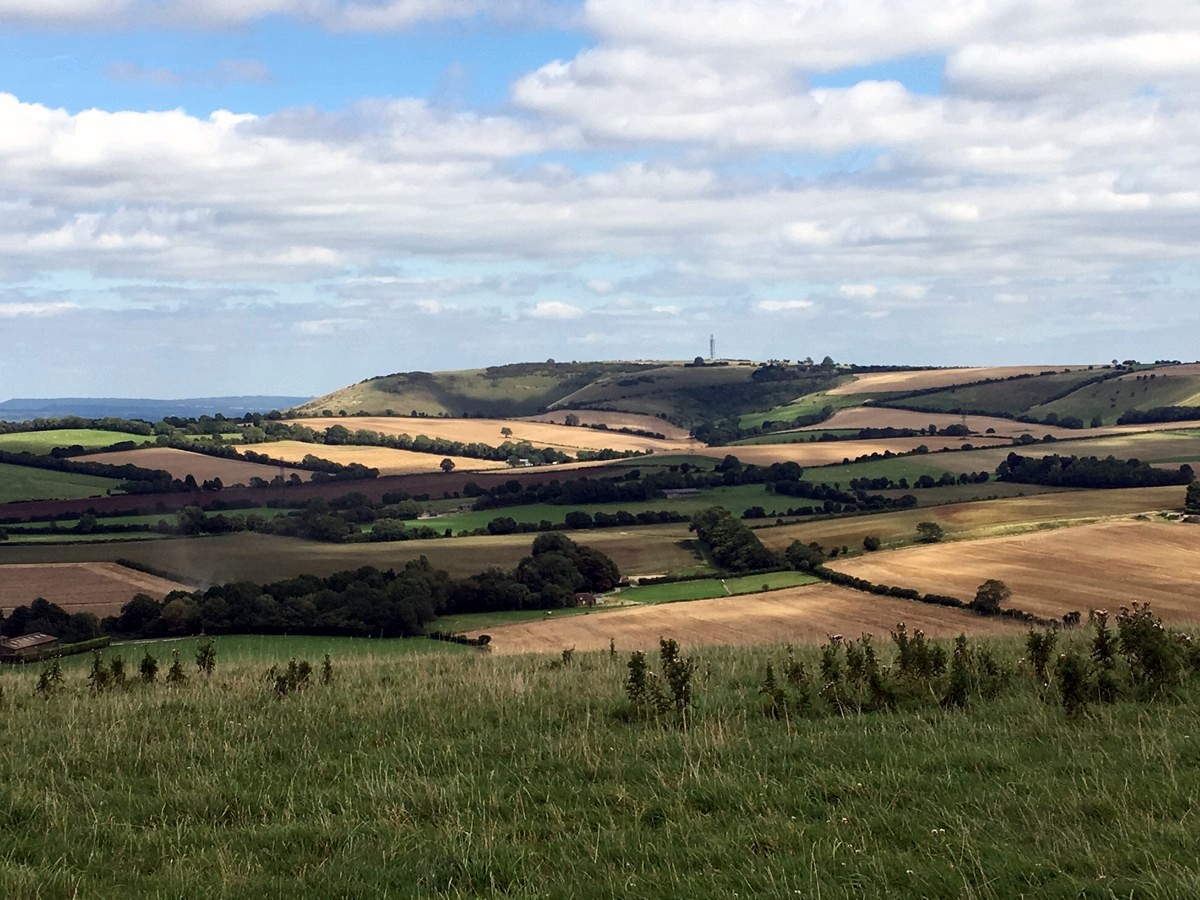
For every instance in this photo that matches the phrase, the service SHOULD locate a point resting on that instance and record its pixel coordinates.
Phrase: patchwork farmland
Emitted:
(181, 463)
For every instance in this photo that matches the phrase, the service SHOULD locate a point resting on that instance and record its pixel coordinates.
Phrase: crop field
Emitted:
(27, 483)
(650, 550)
(926, 379)
(1102, 566)
(807, 405)
(181, 463)
(1169, 386)
(737, 499)
(983, 519)
(488, 431)
(707, 588)
(45, 441)
(795, 615)
(1007, 397)
(827, 453)
(857, 417)
(100, 588)
(613, 419)
(385, 459)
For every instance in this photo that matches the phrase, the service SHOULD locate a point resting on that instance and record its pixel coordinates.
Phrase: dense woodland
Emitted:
(1089, 472)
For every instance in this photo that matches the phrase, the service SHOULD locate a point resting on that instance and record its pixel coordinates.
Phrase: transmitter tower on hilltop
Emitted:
(712, 347)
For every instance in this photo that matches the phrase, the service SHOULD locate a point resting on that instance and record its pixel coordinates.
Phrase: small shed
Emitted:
(588, 599)
(16, 648)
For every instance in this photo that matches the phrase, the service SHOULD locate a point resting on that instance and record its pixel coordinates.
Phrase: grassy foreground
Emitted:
(472, 775)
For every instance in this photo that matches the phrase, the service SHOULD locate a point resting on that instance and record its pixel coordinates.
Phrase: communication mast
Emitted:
(712, 347)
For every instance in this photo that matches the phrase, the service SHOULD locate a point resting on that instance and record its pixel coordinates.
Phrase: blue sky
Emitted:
(286, 196)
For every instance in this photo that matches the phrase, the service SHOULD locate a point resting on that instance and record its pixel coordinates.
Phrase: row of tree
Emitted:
(1089, 472)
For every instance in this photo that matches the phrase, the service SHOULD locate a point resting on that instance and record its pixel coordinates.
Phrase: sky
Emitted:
(288, 196)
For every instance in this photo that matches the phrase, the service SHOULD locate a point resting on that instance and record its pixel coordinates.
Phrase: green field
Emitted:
(45, 441)
(28, 483)
(1111, 398)
(736, 499)
(704, 589)
(480, 776)
(808, 405)
(472, 621)
(262, 558)
(264, 650)
(793, 437)
(1009, 397)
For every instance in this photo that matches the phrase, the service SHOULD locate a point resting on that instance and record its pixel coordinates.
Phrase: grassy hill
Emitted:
(479, 776)
(1167, 386)
(683, 393)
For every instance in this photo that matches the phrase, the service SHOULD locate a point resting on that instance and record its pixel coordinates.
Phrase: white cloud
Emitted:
(858, 291)
(553, 309)
(35, 310)
(783, 305)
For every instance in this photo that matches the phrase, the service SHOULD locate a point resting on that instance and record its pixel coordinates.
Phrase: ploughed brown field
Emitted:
(385, 459)
(985, 518)
(1102, 566)
(806, 614)
(181, 463)
(922, 379)
(96, 587)
(488, 431)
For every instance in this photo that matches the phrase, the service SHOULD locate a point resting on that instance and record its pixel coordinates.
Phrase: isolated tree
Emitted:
(870, 542)
(1192, 501)
(447, 465)
(929, 532)
(506, 431)
(571, 419)
(990, 596)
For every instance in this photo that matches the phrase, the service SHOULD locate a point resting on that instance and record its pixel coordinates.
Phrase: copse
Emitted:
(733, 545)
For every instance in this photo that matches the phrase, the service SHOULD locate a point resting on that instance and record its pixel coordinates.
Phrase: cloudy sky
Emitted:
(286, 196)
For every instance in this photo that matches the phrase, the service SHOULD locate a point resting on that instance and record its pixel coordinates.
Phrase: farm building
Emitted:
(588, 599)
(15, 648)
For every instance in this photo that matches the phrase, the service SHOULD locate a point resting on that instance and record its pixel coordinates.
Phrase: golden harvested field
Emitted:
(923, 379)
(385, 459)
(830, 453)
(614, 420)
(806, 614)
(1148, 446)
(1107, 565)
(882, 417)
(97, 587)
(181, 463)
(488, 431)
(986, 518)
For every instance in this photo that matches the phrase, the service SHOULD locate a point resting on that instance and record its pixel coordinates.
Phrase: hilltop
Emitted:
(749, 397)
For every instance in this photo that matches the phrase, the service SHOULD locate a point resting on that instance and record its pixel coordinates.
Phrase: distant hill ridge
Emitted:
(20, 409)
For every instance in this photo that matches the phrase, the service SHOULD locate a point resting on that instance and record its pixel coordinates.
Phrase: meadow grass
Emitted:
(28, 483)
(45, 441)
(481, 776)
(703, 589)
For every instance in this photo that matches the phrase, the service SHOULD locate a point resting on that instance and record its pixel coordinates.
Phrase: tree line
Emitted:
(1089, 472)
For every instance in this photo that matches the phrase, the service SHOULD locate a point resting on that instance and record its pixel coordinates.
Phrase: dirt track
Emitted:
(796, 615)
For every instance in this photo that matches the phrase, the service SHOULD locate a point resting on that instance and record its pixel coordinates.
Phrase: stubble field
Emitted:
(181, 463)
(488, 431)
(924, 379)
(385, 459)
(801, 615)
(1102, 566)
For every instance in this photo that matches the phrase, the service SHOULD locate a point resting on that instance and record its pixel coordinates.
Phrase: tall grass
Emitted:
(472, 775)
